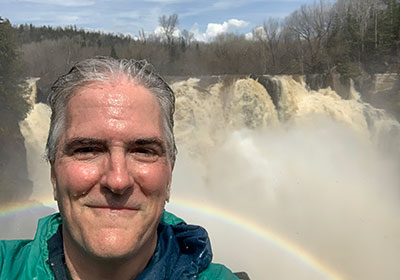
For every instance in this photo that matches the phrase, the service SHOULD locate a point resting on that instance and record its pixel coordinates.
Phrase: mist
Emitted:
(317, 184)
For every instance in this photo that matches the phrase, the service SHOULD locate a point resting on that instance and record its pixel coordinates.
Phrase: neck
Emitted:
(83, 265)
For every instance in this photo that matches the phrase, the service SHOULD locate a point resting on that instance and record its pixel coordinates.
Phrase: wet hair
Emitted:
(107, 69)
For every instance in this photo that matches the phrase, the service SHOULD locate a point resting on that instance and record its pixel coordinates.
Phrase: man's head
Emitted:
(112, 152)
(102, 69)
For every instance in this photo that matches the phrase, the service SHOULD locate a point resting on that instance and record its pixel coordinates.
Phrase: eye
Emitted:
(86, 152)
(145, 151)
(146, 154)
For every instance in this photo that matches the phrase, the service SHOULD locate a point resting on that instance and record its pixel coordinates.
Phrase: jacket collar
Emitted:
(182, 251)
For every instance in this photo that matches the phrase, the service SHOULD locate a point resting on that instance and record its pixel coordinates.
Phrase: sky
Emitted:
(205, 19)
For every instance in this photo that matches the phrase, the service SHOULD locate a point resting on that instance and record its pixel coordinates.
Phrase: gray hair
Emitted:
(103, 69)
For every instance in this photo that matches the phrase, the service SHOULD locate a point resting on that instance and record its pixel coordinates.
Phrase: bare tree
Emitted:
(169, 25)
(311, 24)
(270, 36)
(142, 36)
(187, 36)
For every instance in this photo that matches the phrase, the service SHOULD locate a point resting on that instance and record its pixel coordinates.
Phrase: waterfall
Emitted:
(309, 166)
(314, 170)
(35, 129)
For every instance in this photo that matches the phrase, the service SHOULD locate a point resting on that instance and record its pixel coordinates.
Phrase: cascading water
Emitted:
(317, 174)
(291, 183)
(35, 129)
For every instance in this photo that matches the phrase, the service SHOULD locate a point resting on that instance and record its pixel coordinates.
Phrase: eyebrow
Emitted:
(82, 141)
(147, 141)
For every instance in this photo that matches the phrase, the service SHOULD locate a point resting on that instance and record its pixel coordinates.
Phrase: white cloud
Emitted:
(214, 29)
(197, 35)
(232, 25)
(259, 32)
(249, 36)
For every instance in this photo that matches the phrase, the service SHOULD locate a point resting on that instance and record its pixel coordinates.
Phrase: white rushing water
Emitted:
(306, 188)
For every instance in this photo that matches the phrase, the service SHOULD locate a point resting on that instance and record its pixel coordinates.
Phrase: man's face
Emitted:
(112, 173)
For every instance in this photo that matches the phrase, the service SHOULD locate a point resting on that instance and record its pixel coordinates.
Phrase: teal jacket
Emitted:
(27, 259)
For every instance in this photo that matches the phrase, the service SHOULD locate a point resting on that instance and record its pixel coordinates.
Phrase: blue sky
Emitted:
(204, 18)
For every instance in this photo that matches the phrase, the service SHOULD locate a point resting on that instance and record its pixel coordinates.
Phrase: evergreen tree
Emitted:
(113, 53)
(14, 183)
(14, 106)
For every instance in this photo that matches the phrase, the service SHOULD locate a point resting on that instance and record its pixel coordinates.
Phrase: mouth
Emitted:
(113, 208)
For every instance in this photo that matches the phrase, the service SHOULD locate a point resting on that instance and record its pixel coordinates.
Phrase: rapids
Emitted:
(291, 183)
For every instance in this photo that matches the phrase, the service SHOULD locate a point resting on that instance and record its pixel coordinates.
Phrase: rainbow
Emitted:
(258, 230)
(214, 212)
(18, 207)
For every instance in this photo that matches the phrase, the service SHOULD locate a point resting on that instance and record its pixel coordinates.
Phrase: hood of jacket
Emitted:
(182, 252)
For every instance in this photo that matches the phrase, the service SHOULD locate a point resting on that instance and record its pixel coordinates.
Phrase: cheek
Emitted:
(78, 178)
(153, 178)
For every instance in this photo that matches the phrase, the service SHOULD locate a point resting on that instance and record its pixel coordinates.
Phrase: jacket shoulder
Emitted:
(13, 254)
(217, 272)
(26, 259)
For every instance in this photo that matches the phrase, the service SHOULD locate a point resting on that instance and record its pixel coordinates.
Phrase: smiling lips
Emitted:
(114, 207)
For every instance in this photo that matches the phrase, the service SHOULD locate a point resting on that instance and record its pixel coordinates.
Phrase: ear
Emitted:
(168, 190)
(53, 180)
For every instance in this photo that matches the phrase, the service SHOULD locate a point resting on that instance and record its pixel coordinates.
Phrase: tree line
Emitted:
(350, 37)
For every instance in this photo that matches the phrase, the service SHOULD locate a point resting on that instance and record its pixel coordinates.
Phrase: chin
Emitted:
(115, 244)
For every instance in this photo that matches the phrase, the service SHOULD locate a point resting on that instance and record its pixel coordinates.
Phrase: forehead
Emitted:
(120, 106)
(118, 92)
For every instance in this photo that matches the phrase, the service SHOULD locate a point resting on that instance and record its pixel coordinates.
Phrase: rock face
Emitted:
(382, 91)
(273, 87)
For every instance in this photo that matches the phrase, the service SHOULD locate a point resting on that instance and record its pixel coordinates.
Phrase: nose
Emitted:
(118, 178)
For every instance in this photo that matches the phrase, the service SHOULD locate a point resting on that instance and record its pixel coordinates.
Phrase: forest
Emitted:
(351, 37)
